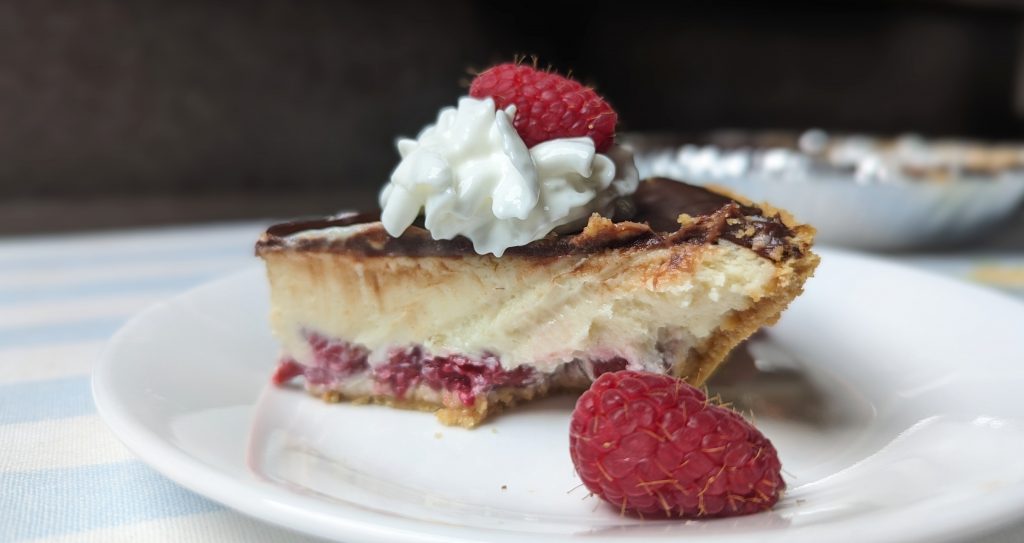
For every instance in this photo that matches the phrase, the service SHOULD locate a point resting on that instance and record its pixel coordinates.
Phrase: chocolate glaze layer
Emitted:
(658, 203)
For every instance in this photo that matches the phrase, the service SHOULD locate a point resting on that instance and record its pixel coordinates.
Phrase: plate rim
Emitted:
(264, 501)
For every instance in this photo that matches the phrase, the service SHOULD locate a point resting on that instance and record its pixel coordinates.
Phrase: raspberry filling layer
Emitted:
(463, 377)
(335, 361)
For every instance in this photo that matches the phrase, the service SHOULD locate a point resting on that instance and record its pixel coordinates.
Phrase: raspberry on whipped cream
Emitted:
(550, 106)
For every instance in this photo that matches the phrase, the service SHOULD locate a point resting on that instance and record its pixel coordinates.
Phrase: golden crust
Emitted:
(471, 416)
(803, 233)
(699, 366)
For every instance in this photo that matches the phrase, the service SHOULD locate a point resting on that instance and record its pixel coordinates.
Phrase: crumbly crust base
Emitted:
(703, 362)
(471, 416)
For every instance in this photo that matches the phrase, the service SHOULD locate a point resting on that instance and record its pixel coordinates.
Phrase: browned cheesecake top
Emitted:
(666, 212)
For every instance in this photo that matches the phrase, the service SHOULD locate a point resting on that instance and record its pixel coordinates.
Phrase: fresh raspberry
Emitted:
(652, 445)
(548, 106)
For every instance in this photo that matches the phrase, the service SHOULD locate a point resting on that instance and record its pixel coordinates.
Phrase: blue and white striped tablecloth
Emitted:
(63, 475)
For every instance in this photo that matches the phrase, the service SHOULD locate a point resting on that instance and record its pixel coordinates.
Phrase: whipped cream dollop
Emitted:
(473, 176)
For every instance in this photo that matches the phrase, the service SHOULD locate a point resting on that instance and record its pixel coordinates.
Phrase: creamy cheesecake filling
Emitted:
(619, 304)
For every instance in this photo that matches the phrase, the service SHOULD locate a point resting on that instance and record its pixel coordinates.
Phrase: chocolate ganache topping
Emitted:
(666, 212)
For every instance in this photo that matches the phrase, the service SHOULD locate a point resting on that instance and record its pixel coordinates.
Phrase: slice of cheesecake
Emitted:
(429, 324)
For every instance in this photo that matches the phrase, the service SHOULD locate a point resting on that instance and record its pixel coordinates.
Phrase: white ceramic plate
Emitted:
(892, 396)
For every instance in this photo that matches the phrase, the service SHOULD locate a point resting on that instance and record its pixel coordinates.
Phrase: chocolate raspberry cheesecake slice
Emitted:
(414, 322)
(517, 253)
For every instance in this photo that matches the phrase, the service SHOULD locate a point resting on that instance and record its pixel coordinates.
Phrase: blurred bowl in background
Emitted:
(864, 192)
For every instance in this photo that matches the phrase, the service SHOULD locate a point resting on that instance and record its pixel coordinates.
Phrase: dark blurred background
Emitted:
(155, 111)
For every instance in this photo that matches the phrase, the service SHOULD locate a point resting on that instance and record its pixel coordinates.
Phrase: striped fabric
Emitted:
(63, 475)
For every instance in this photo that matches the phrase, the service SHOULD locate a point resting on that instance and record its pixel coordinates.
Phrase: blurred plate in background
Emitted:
(858, 191)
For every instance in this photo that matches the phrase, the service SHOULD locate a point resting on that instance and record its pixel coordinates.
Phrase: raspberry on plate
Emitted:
(548, 105)
(653, 445)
